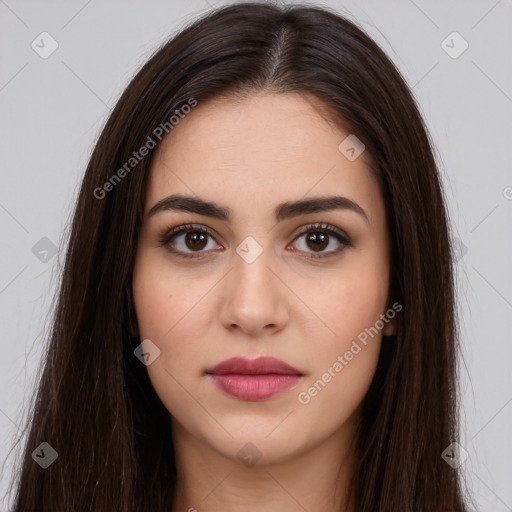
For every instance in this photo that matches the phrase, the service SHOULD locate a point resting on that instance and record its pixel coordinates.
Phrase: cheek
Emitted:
(175, 315)
(337, 393)
(348, 304)
(165, 300)
(345, 358)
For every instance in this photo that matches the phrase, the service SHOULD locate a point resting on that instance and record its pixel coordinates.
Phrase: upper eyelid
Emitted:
(183, 228)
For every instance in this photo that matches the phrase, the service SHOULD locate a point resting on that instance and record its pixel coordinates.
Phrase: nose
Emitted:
(255, 298)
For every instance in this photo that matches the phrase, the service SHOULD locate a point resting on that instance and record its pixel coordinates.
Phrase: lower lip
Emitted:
(254, 387)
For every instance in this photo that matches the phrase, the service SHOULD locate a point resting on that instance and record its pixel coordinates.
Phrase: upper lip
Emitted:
(258, 366)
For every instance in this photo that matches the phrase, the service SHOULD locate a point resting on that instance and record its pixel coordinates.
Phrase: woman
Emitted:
(257, 307)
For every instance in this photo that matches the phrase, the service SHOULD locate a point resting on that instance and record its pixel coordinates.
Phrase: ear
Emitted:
(391, 314)
(393, 310)
(390, 327)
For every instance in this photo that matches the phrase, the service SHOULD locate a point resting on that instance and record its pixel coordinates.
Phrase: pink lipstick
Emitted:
(253, 379)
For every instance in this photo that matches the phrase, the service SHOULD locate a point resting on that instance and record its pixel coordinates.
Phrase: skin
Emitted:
(251, 154)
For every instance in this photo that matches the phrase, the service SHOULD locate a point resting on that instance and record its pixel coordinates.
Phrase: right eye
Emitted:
(190, 236)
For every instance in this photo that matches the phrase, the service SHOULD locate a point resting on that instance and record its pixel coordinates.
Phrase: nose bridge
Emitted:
(251, 273)
(254, 297)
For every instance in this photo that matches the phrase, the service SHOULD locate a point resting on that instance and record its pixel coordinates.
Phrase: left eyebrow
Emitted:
(283, 211)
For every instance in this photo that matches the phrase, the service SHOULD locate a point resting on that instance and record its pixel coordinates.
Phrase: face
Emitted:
(253, 278)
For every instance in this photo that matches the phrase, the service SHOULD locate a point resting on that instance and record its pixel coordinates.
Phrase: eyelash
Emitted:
(168, 235)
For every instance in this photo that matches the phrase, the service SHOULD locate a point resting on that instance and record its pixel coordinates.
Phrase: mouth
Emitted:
(253, 379)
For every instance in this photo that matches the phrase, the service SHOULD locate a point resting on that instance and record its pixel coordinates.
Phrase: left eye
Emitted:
(195, 238)
(319, 238)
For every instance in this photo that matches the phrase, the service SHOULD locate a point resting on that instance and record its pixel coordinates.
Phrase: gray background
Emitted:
(52, 110)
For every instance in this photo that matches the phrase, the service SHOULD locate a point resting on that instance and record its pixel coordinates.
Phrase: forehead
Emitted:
(264, 148)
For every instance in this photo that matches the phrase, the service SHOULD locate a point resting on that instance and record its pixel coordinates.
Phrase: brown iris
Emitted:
(319, 240)
(196, 239)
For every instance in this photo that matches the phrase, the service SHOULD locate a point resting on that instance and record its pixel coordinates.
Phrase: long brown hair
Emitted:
(95, 404)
